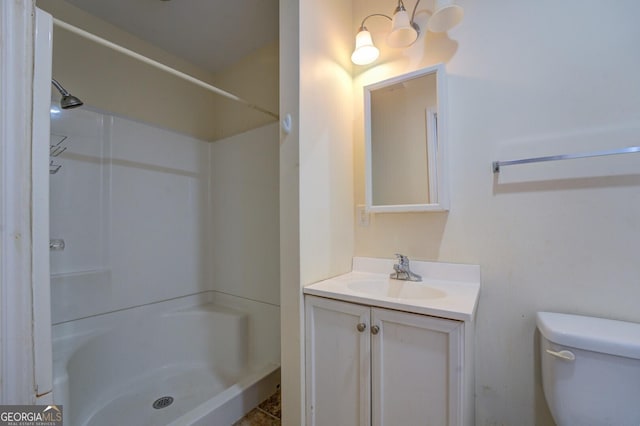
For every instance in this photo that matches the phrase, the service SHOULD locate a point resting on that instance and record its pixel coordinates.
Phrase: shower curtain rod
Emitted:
(160, 65)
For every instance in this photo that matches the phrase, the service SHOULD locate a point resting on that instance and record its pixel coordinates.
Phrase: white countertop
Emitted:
(447, 290)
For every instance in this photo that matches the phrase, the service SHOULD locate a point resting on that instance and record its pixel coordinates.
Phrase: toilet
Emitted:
(590, 369)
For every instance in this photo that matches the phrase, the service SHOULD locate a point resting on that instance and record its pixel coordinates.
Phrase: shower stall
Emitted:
(164, 281)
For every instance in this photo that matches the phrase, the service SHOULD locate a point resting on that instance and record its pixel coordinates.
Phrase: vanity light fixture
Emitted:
(404, 30)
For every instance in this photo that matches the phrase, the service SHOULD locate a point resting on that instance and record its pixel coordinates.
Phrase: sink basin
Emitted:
(448, 290)
(396, 289)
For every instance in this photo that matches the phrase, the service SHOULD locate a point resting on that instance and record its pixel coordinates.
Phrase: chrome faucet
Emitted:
(403, 271)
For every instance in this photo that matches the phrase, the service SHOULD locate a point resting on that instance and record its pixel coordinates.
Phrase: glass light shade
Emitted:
(446, 16)
(365, 52)
(402, 32)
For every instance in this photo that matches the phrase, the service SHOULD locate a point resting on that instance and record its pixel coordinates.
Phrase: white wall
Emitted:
(528, 79)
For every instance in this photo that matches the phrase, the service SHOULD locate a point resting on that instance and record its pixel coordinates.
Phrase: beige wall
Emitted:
(316, 169)
(326, 154)
(291, 316)
(113, 82)
(254, 79)
(557, 236)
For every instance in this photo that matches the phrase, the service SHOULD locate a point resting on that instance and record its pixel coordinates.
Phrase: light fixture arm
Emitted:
(369, 16)
(413, 14)
(400, 5)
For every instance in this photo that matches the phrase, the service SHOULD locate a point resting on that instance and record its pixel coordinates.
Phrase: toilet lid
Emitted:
(593, 334)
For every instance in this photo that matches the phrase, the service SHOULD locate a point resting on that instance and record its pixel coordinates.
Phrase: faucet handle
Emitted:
(403, 271)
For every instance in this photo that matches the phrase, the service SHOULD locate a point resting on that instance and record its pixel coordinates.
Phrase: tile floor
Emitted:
(266, 414)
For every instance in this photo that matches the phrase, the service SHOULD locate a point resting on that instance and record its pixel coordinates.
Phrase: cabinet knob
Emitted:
(375, 329)
(361, 327)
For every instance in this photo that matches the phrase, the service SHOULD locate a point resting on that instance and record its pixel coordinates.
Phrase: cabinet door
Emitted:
(417, 364)
(338, 363)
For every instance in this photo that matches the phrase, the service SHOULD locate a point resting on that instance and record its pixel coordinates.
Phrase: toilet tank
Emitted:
(590, 369)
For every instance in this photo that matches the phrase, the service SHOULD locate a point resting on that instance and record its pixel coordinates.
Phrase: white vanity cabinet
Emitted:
(368, 365)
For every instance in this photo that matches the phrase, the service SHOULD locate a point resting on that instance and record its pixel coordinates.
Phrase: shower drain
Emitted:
(162, 402)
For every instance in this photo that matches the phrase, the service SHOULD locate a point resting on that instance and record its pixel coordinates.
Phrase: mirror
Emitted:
(405, 143)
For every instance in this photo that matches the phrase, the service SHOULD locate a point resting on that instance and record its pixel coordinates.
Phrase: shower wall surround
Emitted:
(130, 201)
(146, 218)
(245, 215)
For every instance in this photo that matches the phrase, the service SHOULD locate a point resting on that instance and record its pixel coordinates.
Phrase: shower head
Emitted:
(68, 100)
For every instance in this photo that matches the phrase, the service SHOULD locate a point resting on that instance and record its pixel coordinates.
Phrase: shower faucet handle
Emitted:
(56, 244)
